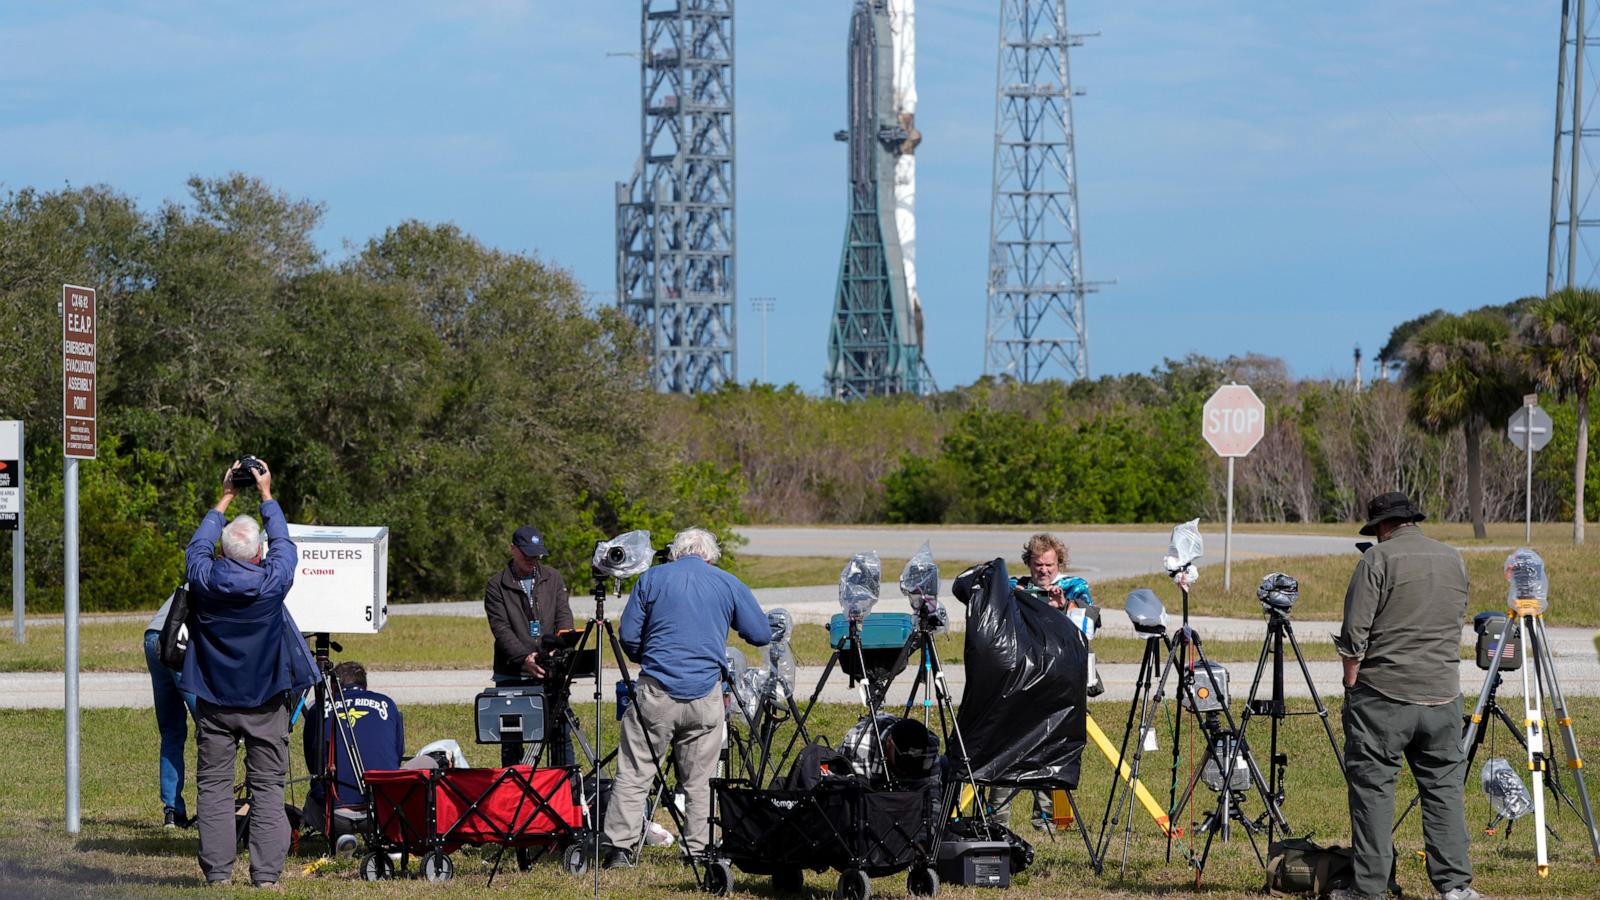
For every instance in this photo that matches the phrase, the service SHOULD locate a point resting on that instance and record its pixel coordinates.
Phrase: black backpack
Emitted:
(174, 639)
(815, 762)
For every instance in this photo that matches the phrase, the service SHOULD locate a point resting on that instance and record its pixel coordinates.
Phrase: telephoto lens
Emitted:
(616, 556)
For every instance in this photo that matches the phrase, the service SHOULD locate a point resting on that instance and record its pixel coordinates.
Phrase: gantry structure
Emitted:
(675, 215)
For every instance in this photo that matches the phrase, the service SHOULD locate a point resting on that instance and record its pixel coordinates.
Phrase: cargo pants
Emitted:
(1379, 733)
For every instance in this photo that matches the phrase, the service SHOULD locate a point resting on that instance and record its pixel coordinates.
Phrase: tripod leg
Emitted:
(1569, 738)
(1532, 702)
(1083, 831)
(1139, 685)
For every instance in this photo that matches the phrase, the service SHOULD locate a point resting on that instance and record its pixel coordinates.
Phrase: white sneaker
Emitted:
(1461, 893)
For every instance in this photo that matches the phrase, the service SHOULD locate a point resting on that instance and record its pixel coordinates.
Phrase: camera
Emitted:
(1278, 592)
(623, 556)
(245, 475)
(1146, 612)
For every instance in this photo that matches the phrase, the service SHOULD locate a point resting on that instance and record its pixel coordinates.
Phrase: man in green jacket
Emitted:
(1400, 644)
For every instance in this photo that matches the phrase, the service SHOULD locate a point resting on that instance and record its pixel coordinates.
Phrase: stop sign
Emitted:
(1234, 420)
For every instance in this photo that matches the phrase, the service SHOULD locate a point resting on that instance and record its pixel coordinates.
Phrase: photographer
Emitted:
(675, 627)
(371, 721)
(246, 660)
(1045, 556)
(1400, 645)
(525, 602)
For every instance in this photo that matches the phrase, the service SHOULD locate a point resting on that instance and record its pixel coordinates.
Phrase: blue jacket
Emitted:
(676, 624)
(245, 647)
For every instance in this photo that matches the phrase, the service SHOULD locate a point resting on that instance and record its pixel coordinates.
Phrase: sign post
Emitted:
(79, 368)
(1233, 421)
(1530, 429)
(11, 517)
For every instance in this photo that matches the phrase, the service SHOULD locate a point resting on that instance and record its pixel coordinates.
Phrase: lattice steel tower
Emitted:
(1574, 254)
(675, 216)
(1036, 325)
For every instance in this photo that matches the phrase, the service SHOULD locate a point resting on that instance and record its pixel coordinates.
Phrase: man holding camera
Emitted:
(246, 660)
(526, 602)
(1400, 644)
(675, 627)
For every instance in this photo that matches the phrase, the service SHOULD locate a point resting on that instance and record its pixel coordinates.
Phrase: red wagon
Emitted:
(431, 813)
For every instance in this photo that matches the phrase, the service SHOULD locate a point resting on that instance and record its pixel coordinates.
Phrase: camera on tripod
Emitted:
(919, 582)
(1278, 593)
(1493, 629)
(624, 556)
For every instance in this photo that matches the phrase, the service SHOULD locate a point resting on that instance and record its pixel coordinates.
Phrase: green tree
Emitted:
(1561, 346)
(1461, 373)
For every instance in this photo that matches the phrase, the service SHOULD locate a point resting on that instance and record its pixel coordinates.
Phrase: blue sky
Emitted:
(1287, 178)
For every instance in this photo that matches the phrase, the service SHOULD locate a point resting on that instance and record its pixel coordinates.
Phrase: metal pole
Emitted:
(1527, 525)
(1555, 164)
(1575, 173)
(1227, 537)
(19, 590)
(70, 611)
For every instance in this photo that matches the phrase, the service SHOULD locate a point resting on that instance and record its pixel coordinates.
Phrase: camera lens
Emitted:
(616, 555)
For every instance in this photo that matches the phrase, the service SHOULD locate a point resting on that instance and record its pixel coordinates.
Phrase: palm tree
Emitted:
(1561, 347)
(1462, 374)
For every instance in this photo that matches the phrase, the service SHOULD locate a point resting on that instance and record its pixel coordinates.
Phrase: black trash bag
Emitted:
(1022, 711)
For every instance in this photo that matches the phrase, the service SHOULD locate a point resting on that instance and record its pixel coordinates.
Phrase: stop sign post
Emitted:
(1529, 428)
(1233, 421)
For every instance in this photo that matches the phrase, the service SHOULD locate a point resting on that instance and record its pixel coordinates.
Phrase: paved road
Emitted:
(1102, 554)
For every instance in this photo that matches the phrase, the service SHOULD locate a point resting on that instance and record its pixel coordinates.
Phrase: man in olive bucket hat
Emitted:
(1400, 643)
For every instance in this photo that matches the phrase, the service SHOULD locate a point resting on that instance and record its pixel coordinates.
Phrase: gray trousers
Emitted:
(1378, 734)
(265, 733)
(692, 730)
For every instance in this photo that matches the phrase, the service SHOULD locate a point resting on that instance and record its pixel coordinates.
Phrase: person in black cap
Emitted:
(1400, 643)
(525, 601)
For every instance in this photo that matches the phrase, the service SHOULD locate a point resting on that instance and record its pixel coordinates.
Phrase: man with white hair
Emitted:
(246, 660)
(675, 626)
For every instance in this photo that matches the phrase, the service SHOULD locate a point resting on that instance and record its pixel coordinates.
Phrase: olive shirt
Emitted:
(1402, 618)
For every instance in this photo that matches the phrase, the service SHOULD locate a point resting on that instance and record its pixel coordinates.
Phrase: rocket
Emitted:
(875, 341)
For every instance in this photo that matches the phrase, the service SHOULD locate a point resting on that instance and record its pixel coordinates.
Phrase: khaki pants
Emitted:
(264, 731)
(692, 730)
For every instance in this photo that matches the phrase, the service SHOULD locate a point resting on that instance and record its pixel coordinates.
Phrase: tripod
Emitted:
(1125, 784)
(1530, 623)
(1224, 746)
(1279, 627)
(328, 696)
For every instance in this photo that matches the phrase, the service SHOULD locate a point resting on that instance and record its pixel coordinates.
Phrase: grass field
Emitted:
(421, 643)
(1574, 599)
(121, 851)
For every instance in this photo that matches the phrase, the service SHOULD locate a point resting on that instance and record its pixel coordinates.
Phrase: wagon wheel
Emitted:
(436, 866)
(922, 881)
(853, 885)
(575, 859)
(377, 866)
(719, 878)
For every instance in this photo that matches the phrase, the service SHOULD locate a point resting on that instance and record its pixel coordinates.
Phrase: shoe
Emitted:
(345, 846)
(1461, 893)
(265, 885)
(169, 819)
(616, 858)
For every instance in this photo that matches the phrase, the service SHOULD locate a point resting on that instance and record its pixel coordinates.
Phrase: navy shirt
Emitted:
(380, 736)
(676, 624)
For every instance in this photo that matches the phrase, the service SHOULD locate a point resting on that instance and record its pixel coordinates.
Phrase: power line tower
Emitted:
(675, 215)
(1036, 326)
(1572, 260)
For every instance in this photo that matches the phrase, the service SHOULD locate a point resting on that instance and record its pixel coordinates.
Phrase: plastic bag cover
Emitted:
(919, 581)
(1022, 711)
(1526, 578)
(1185, 547)
(858, 584)
(636, 547)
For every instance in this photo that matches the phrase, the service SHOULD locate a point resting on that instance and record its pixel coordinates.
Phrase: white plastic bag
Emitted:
(1183, 549)
(1507, 795)
(1526, 579)
(858, 585)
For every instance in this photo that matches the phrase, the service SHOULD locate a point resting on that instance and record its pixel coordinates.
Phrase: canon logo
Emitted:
(308, 571)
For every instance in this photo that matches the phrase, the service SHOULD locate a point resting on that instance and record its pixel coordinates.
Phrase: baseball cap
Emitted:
(529, 541)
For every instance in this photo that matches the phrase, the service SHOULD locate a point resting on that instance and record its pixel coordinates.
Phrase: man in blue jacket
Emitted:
(676, 627)
(246, 660)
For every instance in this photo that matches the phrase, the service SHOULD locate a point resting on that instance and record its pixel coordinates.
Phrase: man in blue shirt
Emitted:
(246, 658)
(372, 723)
(675, 627)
